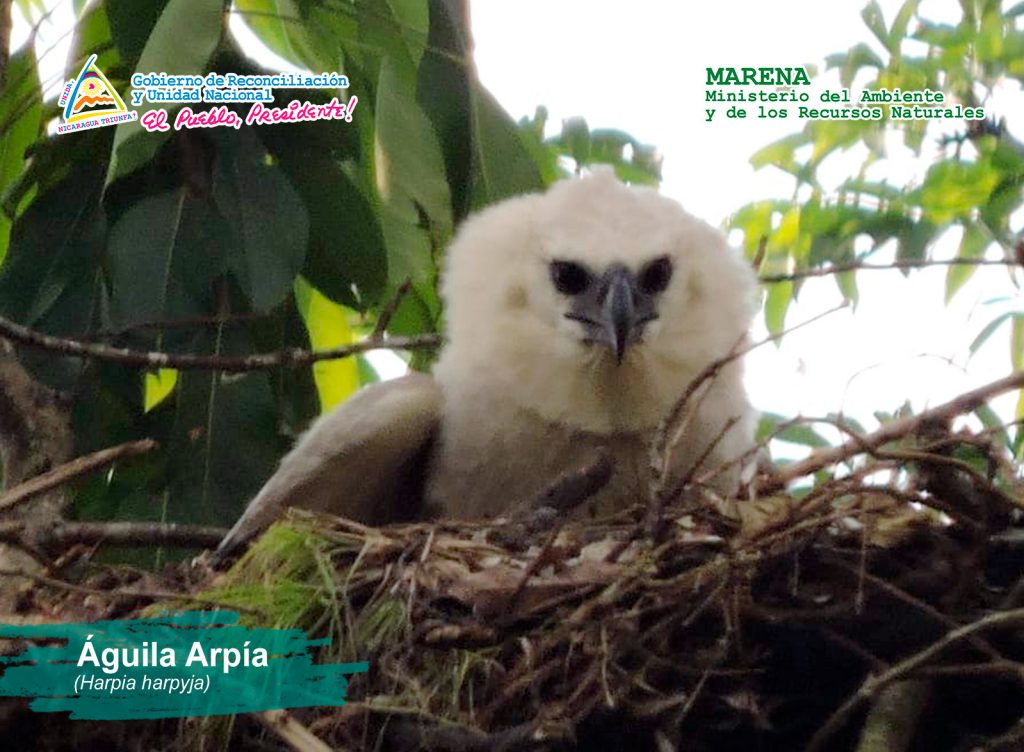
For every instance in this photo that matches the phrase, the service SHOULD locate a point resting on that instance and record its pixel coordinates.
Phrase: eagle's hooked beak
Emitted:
(613, 311)
(618, 312)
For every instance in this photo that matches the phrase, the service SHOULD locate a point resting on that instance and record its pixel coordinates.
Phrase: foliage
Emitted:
(969, 192)
(972, 189)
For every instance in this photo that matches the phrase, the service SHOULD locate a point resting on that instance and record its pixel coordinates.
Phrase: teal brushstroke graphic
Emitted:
(51, 674)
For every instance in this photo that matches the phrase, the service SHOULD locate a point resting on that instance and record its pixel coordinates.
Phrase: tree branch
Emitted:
(74, 469)
(874, 684)
(153, 360)
(155, 595)
(290, 731)
(891, 431)
(133, 534)
(824, 271)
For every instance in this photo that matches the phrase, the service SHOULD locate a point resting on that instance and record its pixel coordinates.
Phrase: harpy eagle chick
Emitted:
(575, 320)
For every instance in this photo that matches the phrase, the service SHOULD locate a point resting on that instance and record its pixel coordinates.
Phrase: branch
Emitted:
(874, 684)
(290, 731)
(891, 431)
(134, 534)
(662, 439)
(391, 308)
(894, 716)
(74, 469)
(153, 360)
(154, 595)
(824, 271)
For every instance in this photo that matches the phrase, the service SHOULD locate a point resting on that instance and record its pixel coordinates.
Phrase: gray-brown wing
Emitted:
(364, 460)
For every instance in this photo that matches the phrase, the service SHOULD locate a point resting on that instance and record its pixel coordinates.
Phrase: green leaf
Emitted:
(755, 220)
(200, 22)
(953, 188)
(1017, 343)
(847, 284)
(859, 56)
(783, 240)
(346, 259)
(443, 90)
(279, 25)
(990, 42)
(54, 249)
(975, 240)
(575, 139)
(991, 420)
(798, 433)
(327, 324)
(914, 238)
(157, 386)
(224, 442)
(163, 256)
(875, 21)
(898, 30)
(411, 180)
(544, 155)
(633, 162)
(412, 17)
(502, 166)
(989, 329)
(779, 153)
(51, 279)
(93, 36)
(829, 135)
(20, 120)
(131, 23)
(266, 216)
(409, 162)
(766, 425)
(776, 305)
(954, 39)
(802, 434)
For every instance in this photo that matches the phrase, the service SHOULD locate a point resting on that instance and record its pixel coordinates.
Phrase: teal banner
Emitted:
(186, 664)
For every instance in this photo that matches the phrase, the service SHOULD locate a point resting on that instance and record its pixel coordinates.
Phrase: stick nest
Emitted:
(880, 609)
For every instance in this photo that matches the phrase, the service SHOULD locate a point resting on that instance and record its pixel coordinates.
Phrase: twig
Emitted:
(133, 534)
(655, 517)
(873, 684)
(824, 271)
(153, 595)
(692, 699)
(902, 595)
(152, 360)
(540, 560)
(664, 437)
(894, 715)
(1002, 668)
(291, 732)
(76, 468)
(891, 431)
(389, 310)
(711, 370)
(714, 471)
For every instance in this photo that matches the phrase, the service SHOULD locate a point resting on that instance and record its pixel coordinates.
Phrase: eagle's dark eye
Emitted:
(655, 276)
(569, 278)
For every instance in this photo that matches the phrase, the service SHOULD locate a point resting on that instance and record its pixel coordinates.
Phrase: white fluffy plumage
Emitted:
(538, 373)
